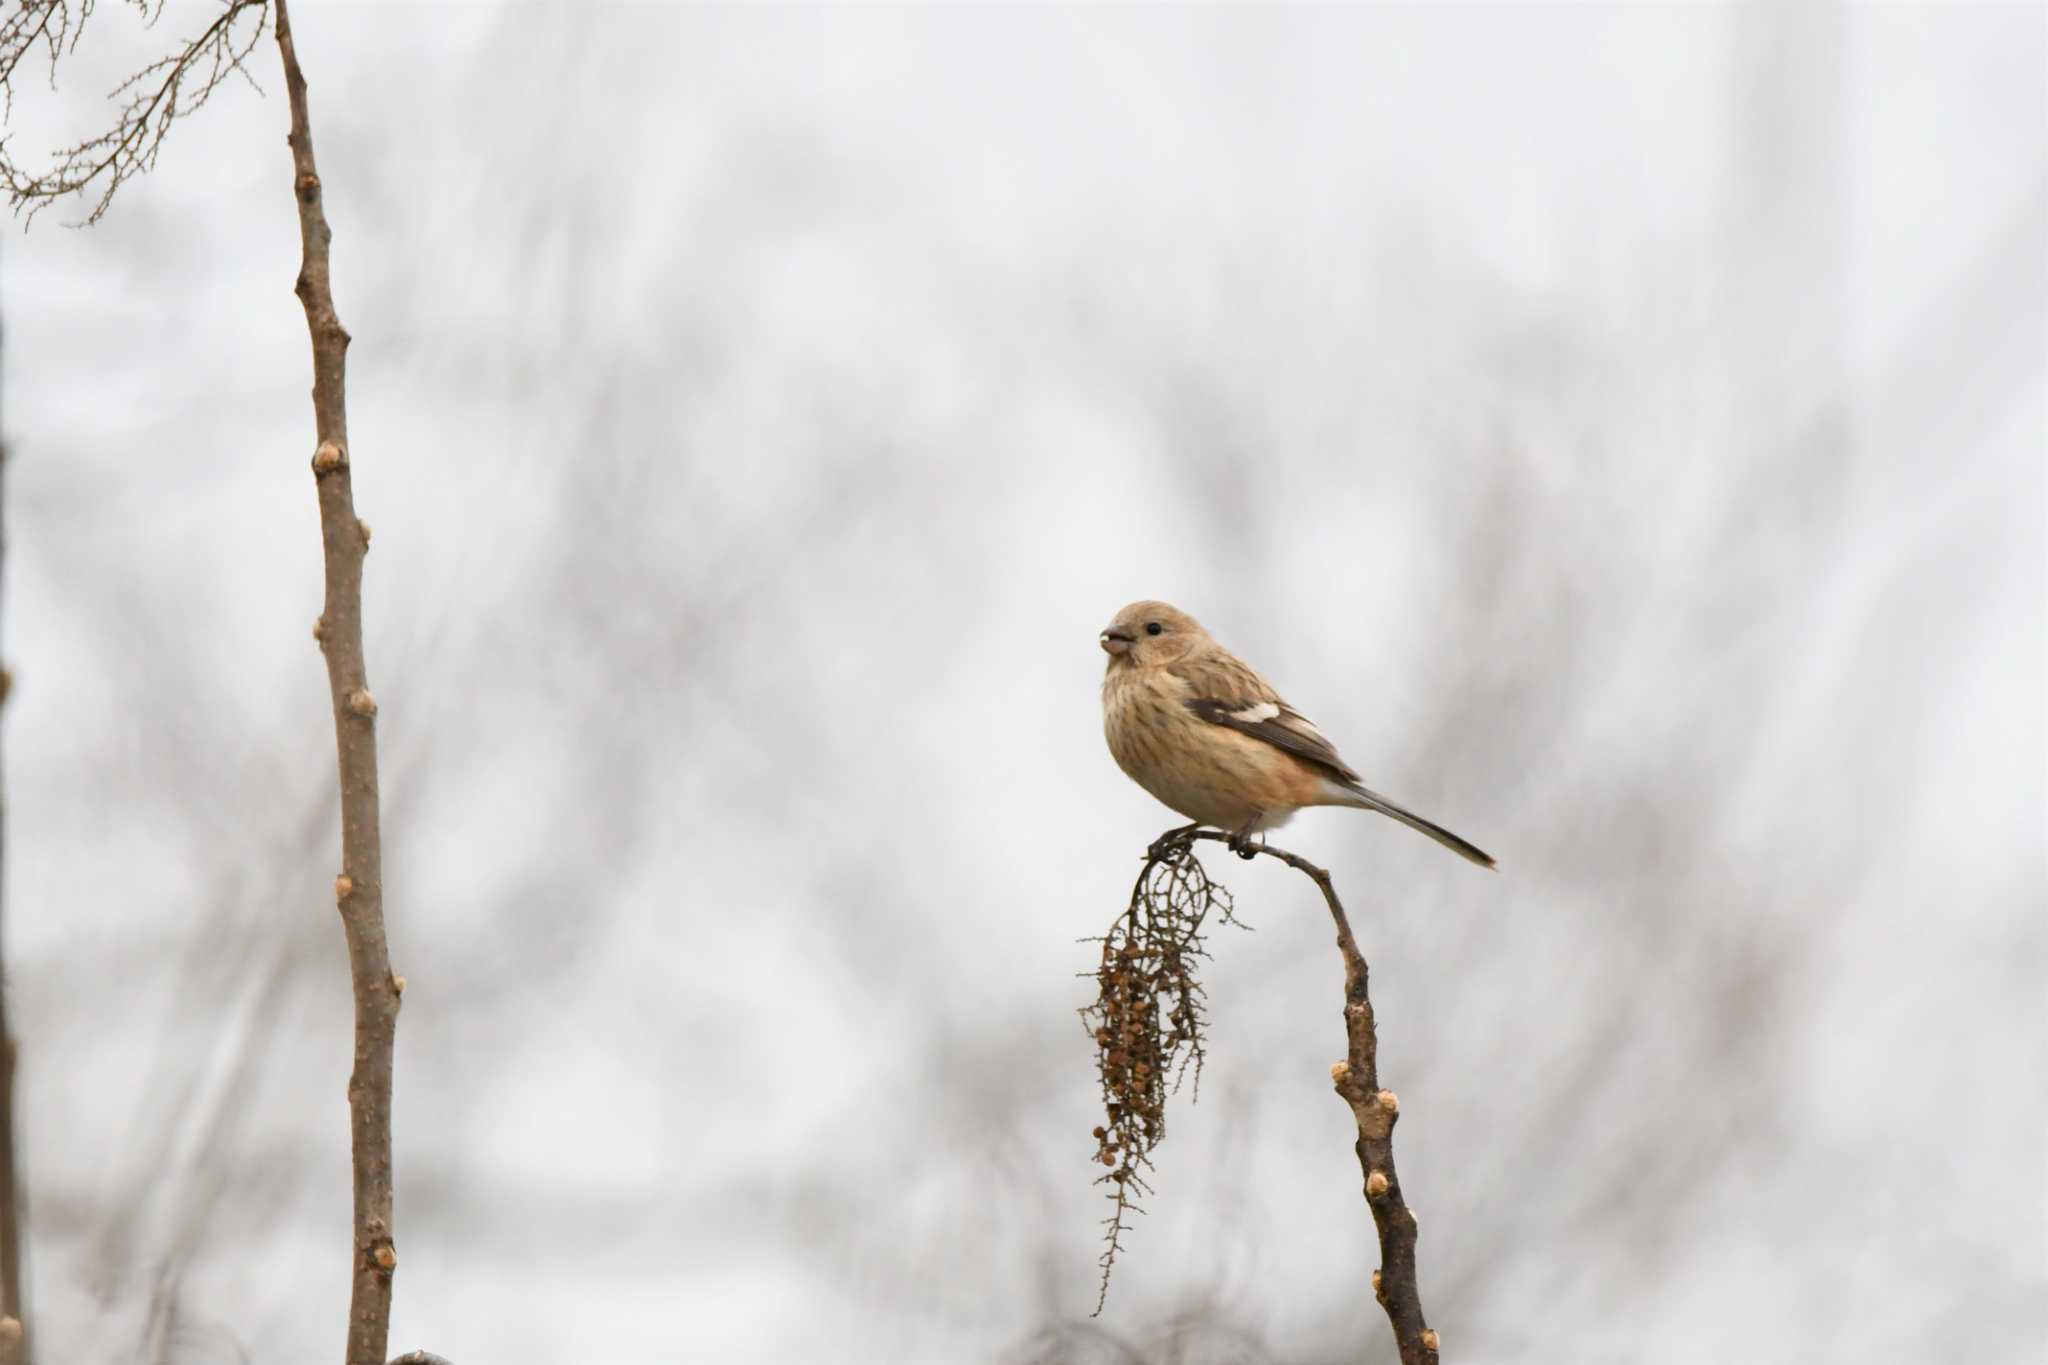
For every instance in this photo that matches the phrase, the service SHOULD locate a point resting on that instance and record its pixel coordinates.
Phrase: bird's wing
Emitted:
(1225, 691)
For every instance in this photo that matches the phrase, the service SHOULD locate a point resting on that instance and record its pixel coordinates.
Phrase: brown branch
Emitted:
(152, 99)
(359, 889)
(1374, 1109)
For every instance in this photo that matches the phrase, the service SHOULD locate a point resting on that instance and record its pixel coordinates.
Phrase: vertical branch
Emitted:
(359, 889)
(13, 1312)
(1357, 1081)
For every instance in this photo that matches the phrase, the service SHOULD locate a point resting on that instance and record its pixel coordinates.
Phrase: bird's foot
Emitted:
(1241, 841)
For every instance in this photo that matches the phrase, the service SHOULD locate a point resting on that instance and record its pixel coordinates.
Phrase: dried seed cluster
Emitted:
(1147, 1021)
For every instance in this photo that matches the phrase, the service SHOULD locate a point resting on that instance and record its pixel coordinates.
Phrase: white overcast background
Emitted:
(1620, 427)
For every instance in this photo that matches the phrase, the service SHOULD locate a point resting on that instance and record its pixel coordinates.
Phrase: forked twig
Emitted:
(1147, 1019)
(148, 102)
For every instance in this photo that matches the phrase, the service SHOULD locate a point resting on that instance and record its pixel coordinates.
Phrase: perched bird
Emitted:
(1202, 731)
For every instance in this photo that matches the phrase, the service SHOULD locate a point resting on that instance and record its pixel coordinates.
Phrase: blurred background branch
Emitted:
(149, 101)
(14, 1348)
(360, 887)
(163, 90)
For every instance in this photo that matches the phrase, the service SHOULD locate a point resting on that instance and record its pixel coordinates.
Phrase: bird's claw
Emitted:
(1243, 847)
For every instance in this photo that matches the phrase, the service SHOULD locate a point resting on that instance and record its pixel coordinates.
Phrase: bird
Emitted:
(1198, 728)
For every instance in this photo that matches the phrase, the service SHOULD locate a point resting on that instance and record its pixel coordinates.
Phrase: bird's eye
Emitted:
(1153, 628)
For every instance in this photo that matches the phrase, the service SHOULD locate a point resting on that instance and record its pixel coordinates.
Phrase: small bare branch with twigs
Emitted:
(1147, 1022)
(149, 101)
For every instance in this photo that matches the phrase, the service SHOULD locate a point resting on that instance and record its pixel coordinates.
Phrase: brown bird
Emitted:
(1200, 729)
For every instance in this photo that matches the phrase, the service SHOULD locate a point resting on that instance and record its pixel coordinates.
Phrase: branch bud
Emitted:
(1376, 1184)
(320, 629)
(344, 887)
(1340, 1073)
(363, 528)
(362, 703)
(385, 1257)
(398, 986)
(328, 458)
(1429, 1338)
(1389, 1101)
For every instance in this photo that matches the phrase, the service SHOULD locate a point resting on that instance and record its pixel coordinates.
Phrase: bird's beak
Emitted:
(1115, 642)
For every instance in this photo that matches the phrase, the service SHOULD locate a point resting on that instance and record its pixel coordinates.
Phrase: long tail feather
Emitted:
(1371, 800)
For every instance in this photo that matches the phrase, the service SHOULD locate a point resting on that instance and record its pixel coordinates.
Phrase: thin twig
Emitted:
(359, 889)
(1375, 1111)
(150, 100)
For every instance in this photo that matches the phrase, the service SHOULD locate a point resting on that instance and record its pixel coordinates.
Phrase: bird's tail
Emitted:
(1354, 795)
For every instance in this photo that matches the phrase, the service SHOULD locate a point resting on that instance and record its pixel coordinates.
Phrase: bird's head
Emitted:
(1150, 634)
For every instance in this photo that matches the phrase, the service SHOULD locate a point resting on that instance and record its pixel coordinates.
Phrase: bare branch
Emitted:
(1148, 1020)
(151, 100)
(359, 890)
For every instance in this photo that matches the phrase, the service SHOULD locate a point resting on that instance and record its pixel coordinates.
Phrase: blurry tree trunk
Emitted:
(360, 887)
(13, 1312)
